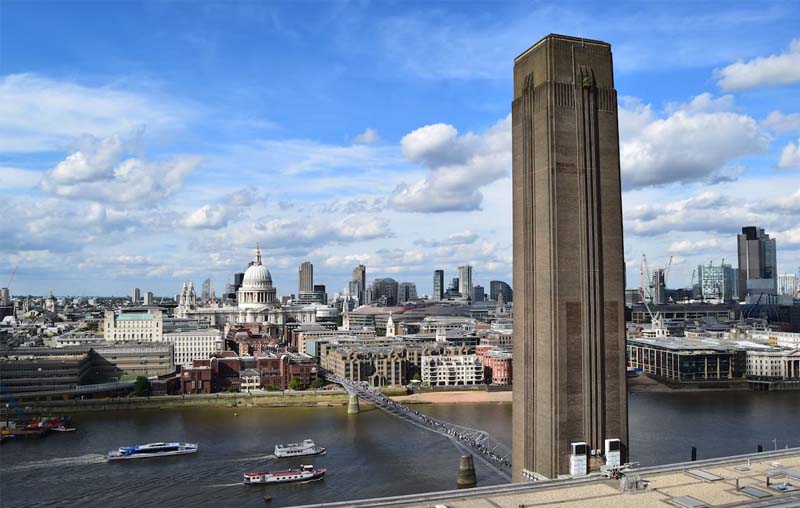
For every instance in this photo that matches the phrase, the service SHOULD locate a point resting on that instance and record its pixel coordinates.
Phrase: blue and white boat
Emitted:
(152, 450)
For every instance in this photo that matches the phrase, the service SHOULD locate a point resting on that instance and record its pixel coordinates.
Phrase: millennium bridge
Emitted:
(482, 445)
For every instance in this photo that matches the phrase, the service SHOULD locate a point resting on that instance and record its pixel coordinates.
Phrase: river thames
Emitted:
(369, 455)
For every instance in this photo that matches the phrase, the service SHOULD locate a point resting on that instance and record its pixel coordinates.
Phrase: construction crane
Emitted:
(666, 271)
(644, 278)
(657, 326)
(644, 274)
(11, 278)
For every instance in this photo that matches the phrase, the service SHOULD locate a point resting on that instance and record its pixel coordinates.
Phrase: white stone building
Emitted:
(773, 364)
(779, 339)
(147, 325)
(138, 324)
(451, 370)
(192, 345)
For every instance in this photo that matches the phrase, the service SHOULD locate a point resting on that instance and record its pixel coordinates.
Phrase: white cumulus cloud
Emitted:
(368, 137)
(458, 167)
(790, 157)
(208, 217)
(781, 123)
(688, 246)
(769, 70)
(97, 171)
(696, 141)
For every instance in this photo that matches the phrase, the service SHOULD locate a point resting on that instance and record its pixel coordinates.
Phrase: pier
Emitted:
(482, 445)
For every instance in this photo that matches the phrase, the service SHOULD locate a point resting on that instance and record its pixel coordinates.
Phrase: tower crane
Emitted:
(666, 271)
(656, 323)
(11, 278)
(644, 274)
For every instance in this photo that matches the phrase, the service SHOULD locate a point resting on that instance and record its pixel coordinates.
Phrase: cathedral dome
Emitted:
(257, 276)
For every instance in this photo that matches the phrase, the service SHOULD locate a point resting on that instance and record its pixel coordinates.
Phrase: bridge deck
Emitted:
(479, 443)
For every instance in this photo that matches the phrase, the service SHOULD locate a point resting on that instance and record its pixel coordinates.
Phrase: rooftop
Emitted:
(135, 316)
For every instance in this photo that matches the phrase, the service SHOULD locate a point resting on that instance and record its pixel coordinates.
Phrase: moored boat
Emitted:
(304, 473)
(305, 448)
(152, 450)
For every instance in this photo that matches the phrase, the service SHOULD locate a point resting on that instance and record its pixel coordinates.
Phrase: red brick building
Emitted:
(252, 339)
(196, 378)
(223, 372)
(497, 364)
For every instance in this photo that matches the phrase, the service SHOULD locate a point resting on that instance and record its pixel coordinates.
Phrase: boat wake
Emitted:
(226, 484)
(313, 480)
(81, 460)
(258, 457)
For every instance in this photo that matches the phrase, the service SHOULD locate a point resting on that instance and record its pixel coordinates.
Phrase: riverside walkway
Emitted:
(482, 445)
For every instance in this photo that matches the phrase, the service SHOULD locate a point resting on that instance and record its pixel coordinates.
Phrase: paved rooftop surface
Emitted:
(711, 483)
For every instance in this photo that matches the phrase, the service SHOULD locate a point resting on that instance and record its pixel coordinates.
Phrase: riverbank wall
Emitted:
(288, 398)
(320, 398)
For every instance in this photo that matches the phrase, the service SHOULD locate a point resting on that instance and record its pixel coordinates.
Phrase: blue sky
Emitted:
(147, 143)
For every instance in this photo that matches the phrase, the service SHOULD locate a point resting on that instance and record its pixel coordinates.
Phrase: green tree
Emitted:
(319, 382)
(233, 389)
(417, 377)
(141, 387)
(294, 383)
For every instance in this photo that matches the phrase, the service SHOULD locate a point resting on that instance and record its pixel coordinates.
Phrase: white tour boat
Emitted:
(305, 473)
(307, 447)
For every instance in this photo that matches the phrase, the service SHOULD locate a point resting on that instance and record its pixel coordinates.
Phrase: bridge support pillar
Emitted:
(466, 473)
(352, 405)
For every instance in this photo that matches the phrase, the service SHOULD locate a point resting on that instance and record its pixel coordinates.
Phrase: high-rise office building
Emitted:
(465, 281)
(787, 284)
(148, 298)
(384, 291)
(716, 282)
(358, 286)
(569, 312)
(205, 292)
(136, 296)
(758, 274)
(498, 286)
(656, 292)
(5, 297)
(478, 293)
(320, 289)
(306, 272)
(406, 292)
(438, 284)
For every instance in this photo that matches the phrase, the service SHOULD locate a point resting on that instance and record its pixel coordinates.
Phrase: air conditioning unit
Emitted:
(579, 459)
(613, 453)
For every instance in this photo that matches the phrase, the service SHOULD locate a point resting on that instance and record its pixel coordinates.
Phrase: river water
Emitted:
(370, 454)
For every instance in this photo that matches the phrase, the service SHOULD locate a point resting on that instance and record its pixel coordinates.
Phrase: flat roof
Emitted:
(135, 316)
(666, 485)
(569, 38)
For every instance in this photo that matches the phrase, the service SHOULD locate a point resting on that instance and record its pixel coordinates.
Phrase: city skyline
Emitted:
(154, 179)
